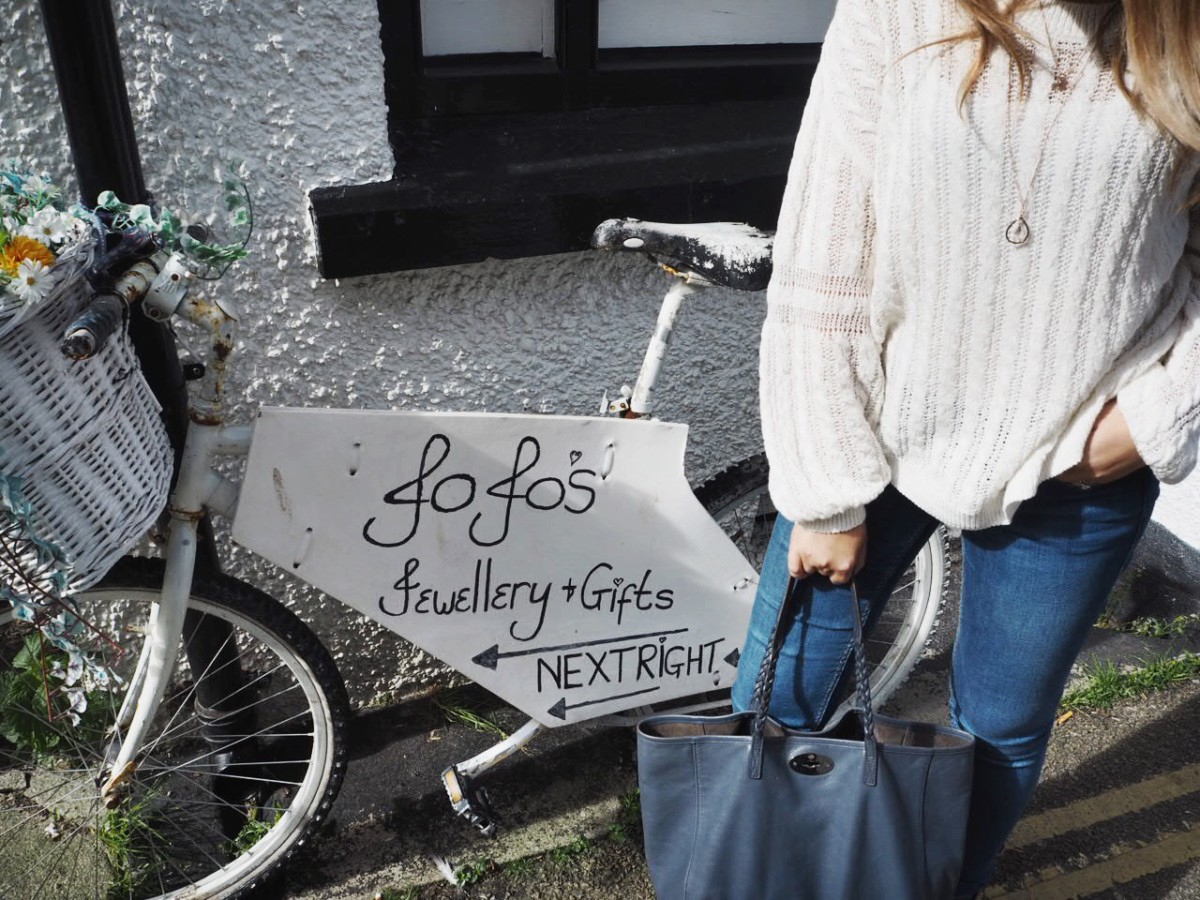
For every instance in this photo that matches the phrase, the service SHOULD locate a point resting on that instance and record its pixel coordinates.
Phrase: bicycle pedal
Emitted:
(470, 801)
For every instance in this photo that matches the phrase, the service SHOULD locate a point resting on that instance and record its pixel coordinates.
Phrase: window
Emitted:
(655, 23)
(518, 125)
(454, 27)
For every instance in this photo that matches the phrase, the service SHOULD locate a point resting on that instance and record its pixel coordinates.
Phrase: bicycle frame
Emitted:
(199, 488)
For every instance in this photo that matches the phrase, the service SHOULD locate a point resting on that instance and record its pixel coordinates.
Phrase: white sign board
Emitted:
(561, 562)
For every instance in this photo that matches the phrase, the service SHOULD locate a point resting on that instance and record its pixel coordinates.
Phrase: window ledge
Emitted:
(468, 188)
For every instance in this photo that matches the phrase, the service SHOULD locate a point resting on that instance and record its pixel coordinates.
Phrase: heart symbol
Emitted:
(618, 581)
(575, 456)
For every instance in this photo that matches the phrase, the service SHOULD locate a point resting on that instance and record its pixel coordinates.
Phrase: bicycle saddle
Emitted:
(730, 254)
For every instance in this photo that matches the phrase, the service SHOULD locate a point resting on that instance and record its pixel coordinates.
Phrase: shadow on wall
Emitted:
(1162, 581)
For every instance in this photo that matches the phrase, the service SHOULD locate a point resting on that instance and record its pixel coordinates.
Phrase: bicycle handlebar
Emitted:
(87, 335)
(120, 275)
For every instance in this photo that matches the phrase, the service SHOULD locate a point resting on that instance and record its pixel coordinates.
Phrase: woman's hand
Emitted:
(1109, 453)
(836, 556)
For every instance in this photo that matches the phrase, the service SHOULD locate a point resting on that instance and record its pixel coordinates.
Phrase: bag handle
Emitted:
(765, 683)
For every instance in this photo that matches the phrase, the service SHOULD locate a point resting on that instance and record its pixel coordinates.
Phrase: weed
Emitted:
(409, 893)
(456, 711)
(629, 819)
(1154, 627)
(1163, 628)
(520, 867)
(35, 712)
(631, 805)
(123, 833)
(1107, 683)
(253, 831)
(568, 852)
(473, 872)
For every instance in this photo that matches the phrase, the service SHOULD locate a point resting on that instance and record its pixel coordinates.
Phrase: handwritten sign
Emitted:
(562, 562)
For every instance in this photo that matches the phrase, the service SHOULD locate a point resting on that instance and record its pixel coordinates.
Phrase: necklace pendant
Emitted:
(1017, 231)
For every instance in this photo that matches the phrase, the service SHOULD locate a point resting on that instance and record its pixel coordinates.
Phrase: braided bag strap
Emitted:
(764, 685)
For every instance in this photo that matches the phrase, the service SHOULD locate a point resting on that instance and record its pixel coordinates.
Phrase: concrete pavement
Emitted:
(1113, 817)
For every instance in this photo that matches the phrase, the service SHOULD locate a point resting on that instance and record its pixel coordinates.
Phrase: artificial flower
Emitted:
(48, 226)
(39, 189)
(32, 280)
(21, 248)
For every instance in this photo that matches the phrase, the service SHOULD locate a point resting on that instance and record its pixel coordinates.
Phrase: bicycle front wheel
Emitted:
(243, 760)
(737, 498)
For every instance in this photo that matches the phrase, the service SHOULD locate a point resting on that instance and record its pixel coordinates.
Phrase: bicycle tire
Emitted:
(203, 817)
(738, 499)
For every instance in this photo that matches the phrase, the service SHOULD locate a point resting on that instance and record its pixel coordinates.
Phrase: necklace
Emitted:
(1018, 232)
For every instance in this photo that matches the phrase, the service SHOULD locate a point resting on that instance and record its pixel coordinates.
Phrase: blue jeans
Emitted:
(1031, 591)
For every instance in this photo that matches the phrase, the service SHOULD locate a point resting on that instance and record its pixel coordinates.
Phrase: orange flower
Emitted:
(21, 248)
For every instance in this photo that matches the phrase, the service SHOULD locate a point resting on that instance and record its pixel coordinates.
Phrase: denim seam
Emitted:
(820, 721)
(696, 822)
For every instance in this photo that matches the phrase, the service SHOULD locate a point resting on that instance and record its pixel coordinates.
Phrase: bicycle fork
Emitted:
(198, 487)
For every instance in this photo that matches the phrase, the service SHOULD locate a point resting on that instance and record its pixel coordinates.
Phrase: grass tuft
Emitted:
(123, 833)
(1108, 683)
(456, 711)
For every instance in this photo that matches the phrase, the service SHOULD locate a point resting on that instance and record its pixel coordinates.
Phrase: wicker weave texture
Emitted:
(85, 437)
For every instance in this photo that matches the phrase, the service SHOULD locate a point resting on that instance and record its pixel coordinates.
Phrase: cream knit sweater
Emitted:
(907, 341)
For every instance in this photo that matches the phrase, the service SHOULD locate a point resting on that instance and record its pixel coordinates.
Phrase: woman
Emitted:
(985, 311)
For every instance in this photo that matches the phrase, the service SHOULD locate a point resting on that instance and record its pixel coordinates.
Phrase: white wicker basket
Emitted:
(86, 438)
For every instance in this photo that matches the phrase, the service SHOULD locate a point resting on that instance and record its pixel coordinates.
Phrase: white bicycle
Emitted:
(561, 562)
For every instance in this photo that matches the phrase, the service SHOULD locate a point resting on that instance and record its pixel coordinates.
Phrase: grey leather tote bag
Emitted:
(740, 807)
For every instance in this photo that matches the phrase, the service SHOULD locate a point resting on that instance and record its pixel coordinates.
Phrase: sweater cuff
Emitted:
(1161, 441)
(843, 521)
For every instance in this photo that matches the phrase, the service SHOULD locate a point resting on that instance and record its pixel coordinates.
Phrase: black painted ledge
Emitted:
(473, 187)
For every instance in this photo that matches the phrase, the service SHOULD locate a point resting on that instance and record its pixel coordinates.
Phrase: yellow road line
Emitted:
(1109, 805)
(1125, 865)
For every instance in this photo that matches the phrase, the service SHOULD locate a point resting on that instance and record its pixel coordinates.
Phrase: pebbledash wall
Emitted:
(294, 91)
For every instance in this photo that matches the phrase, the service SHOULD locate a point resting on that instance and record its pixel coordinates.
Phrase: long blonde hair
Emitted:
(1158, 43)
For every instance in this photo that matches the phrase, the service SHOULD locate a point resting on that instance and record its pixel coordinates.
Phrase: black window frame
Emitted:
(488, 147)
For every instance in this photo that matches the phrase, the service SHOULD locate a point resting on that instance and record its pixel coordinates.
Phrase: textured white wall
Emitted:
(1178, 509)
(294, 90)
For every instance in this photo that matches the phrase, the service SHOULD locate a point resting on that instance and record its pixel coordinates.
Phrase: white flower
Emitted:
(37, 187)
(48, 226)
(32, 281)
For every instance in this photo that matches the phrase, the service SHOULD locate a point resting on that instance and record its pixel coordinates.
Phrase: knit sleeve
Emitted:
(821, 380)
(1162, 406)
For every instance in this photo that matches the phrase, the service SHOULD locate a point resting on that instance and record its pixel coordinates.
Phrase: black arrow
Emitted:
(559, 709)
(489, 657)
(734, 658)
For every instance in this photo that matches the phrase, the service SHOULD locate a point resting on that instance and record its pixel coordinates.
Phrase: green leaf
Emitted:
(141, 216)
